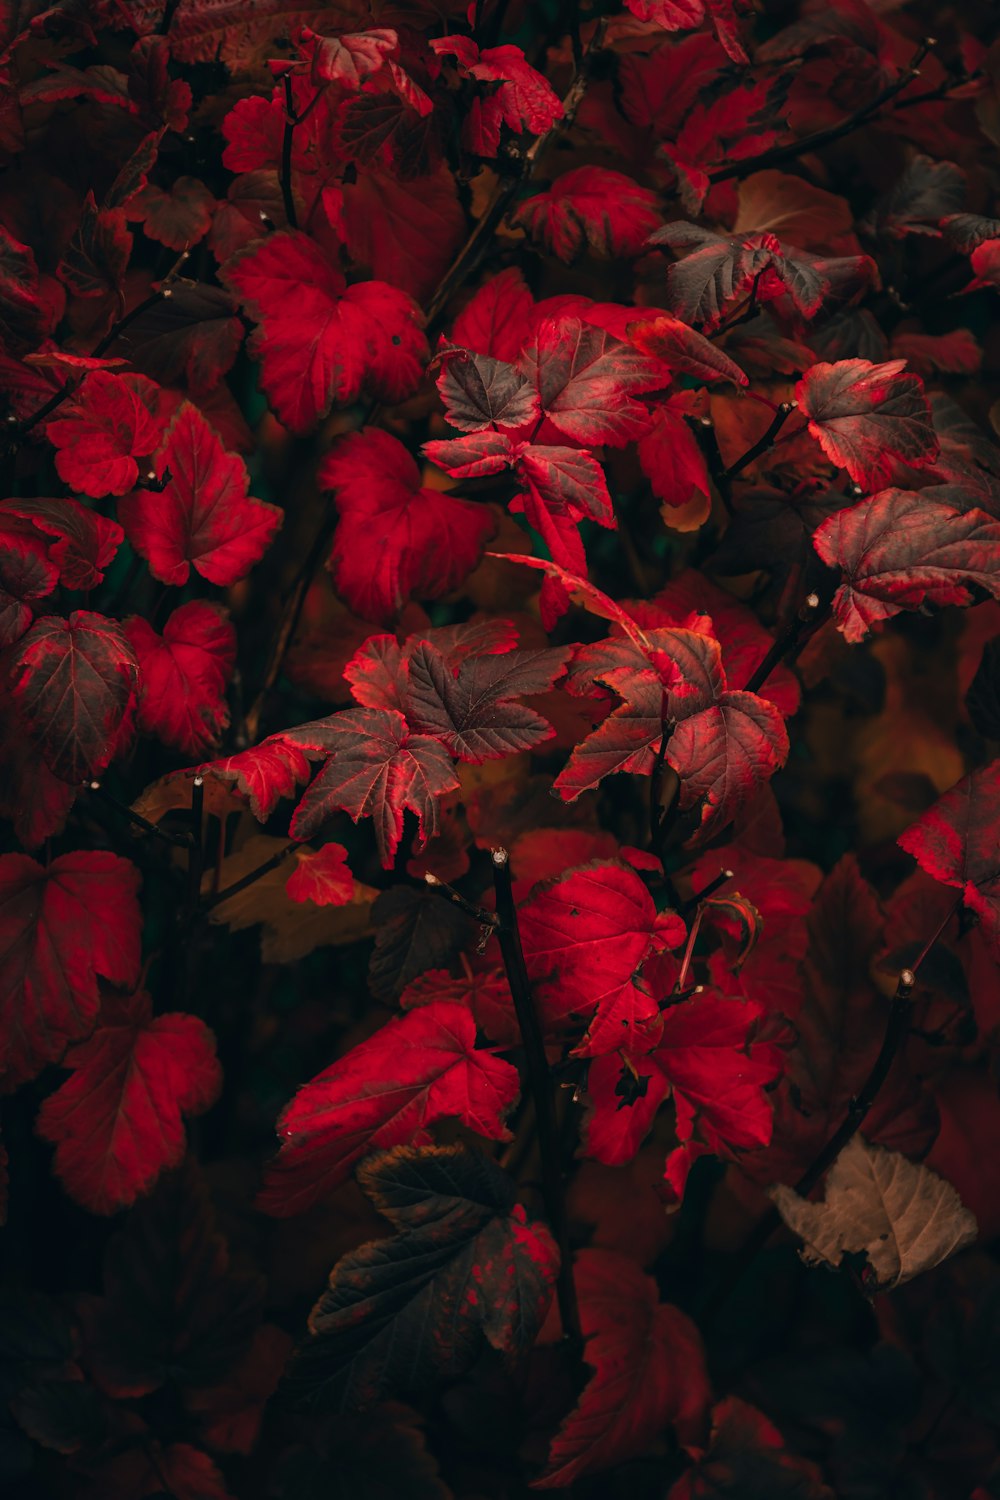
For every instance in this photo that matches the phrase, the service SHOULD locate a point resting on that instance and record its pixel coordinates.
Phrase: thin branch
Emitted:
(723, 878)
(787, 639)
(167, 19)
(251, 877)
(176, 840)
(708, 442)
(196, 854)
(764, 442)
(779, 154)
(540, 1088)
(482, 916)
(285, 175)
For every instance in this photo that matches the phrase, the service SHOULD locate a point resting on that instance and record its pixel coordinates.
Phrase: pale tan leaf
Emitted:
(904, 1217)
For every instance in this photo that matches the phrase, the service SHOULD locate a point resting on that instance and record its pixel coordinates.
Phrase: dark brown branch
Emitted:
(196, 849)
(480, 914)
(178, 841)
(779, 154)
(285, 175)
(723, 878)
(167, 19)
(251, 877)
(540, 1089)
(708, 442)
(789, 637)
(763, 442)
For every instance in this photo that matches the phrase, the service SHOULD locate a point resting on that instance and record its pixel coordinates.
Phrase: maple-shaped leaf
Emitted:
(586, 936)
(868, 418)
(708, 1061)
(482, 988)
(726, 128)
(466, 1269)
(515, 93)
(204, 517)
(422, 1067)
(321, 341)
(904, 1217)
(26, 575)
(174, 1312)
(721, 742)
(901, 549)
(586, 380)
(192, 336)
(926, 192)
(178, 218)
(62, 926)
(688, 15)
(80, 543)
(24, 316)
(374, 768)
(472, 710)
(955, 842)
(716, 269)
(429, 541)
(478, 391)
(322, 876)
(116, 1123)
(648, 1372)
(97, 255)
(184, 675)
(591, 206)
(100, 433)
(74, 684)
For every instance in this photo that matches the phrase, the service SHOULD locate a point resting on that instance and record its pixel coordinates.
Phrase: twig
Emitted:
(764, 442)
(196, 850)
(788, 637)
(251, 877)
(539, 1085)
(778, 154)
(708, 441)
(482, 916)
(656, 787)
(178, 841)
(291, 120)
(167, 19)
(723, 877)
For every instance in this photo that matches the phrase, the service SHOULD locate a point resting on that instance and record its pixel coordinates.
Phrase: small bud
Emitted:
(907, 979)
(150, 474)
(11, 419)
(95, 786)
(706, 421)
(431, 879)
(727, 874)
(166, 291)
(500, 856)
(199, 781)
(914, 72)
(698, 989)
(812, 601)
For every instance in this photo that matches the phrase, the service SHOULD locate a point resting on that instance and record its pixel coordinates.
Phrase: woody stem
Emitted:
(252, 876)
(539, 1085)
(291, 120)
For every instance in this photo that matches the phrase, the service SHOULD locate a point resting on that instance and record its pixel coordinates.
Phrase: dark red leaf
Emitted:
(204, 517)
(591, 207)
(901, 549)
(83, 542)
(868, 418)
(184, 675)
(428, 541)
(116, 1124)
(101, 432)
(465, 1269)
(321, 341)
(955, 841)
(586, 381)
(386, 1092)
(478, 391)
(472, 710)
(374, 768)
(649, 1372)
(322, 877)
(62, 927)
(74, 683)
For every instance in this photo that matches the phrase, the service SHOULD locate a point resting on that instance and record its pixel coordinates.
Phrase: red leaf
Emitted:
(24, 316)
(746, 1455)
(672, 460)
(322, 876)
(868, 418)
(264, 774)
(956, 842)
(385, 1092)
(74, 683)
(482, 989)
(204, 518)
(497, 321)
(374, 768)
(585, 936)
(688, 15)
(595, 207)
(83, 544)
(428, 541)
(321, 341)
(472, 710)
(585, 379)
(26, 575)
(61, 927)
(902, 549)
(684, 350)
(404, 232)
(649, 1372)
(185, 672)
(101, 432)
(349, 59)
(516, 94)
(116, 1124)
